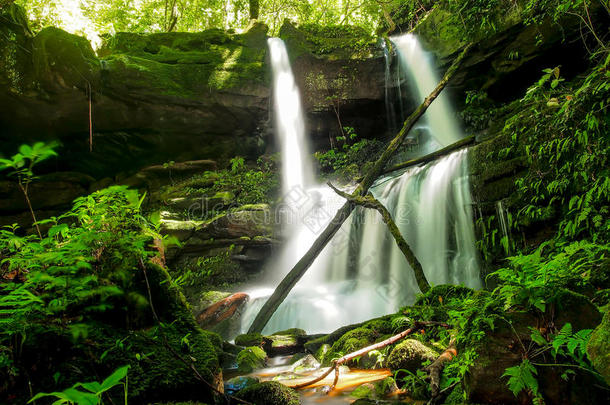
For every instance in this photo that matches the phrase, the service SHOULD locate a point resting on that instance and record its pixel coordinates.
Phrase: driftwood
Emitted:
(337, 363)
(369, 201)
(343, 213)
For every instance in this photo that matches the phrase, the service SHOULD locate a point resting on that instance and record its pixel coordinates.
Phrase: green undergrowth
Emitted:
(89, 297)
(228, 188)
(351, 159)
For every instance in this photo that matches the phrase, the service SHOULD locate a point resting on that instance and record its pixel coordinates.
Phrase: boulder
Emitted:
(376, 390)
(249, 339)
(247, 221)
(502, 348)
(153, 177)
(284, 342)
(251, 358)
(269, 393)
(236, 384)
(598, 348)
(410, 354)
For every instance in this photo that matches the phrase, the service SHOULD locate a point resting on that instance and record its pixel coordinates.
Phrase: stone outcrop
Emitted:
(503, 348)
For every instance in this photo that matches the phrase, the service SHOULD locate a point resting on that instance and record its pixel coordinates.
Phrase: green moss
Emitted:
(269, 393)
(250, 359)
(184, 64)
(598, 348)
(63, 59)
(291, 332)
(439, 294)
(376, 390)
(336, 42)
(249, 339)
(409, 355)
(351, 341)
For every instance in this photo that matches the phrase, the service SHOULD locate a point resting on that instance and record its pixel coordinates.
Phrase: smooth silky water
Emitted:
(361, 273)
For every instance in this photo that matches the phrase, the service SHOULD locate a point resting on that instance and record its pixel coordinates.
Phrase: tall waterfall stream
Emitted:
(362, 274)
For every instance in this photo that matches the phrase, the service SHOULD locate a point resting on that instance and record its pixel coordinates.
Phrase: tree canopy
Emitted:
(96, 17)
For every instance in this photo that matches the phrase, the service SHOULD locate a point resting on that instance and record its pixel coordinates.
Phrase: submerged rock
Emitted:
(306, 363)
(269, 393)
(236, 384)
(376, 390)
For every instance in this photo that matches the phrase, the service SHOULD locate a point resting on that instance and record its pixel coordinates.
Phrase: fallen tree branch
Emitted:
(436, 368)
(299, 269)
(335, 364)
(369, 201)
(432, 156)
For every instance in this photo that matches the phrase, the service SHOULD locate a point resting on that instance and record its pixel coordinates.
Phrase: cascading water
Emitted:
(423, 78)
(362, 273)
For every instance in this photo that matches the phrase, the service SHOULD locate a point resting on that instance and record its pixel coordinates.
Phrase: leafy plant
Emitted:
(22, 165)
(91, 392)
(523, 378)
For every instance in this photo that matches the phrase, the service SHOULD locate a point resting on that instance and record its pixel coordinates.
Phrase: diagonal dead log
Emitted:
(299, 269)
(369, 201)
(335, 364)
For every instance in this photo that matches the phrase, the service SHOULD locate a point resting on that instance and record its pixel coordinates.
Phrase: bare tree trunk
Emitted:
(343, 213)
(254, 9)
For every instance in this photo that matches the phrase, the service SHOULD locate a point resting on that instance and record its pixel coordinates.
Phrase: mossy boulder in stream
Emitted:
(376, 390)
(249, 339)
(251, 358)
(269, 393)
(410, 355)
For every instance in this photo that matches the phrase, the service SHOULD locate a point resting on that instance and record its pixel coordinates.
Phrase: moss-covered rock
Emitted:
(251, 358)
(236, 384)
(269, 393)
(598, 348)
(64, 60)
(375, 390)
(249, 339)
(410, 354)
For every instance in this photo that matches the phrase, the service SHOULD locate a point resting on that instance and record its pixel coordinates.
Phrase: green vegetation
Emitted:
(92, 393)
(238, 183)
(99, 291)
(348, 160)
(21, 166)
(251, 358)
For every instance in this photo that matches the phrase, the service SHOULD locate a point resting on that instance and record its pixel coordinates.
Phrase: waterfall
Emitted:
(361, 273)
(289, 121)
(423, 78)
